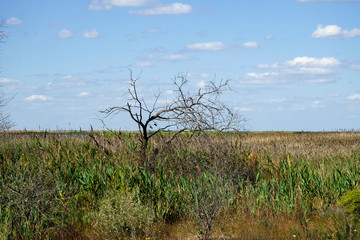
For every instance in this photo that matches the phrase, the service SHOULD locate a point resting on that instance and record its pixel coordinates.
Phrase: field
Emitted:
(259, 185)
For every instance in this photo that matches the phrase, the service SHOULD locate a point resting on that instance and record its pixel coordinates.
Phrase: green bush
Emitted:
(350, 202)
(346, 221)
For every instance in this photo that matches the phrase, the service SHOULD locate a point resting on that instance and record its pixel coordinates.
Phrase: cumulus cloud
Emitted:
(91, 34)
(250, 45)
(208, 46)
(314, 62)
(261, 78)
(354, 97)
(97, 5)
(309, 69)
(37, 97)
(308, 64)
(64, 33)
(14, 21)
(175, 8)
(334, 31)
(126, 3)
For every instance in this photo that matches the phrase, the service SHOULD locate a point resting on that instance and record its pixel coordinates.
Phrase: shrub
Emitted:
(121, 214)
(351, 205)
(209, 194)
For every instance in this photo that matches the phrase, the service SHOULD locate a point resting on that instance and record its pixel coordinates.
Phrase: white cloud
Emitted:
(208, 46)
(261, 78)
(334, 31)
(268, 66)
(175, 8)
(261, 75)
(69, 81)
(83, 94)
(354, 97)
(64, 33)
(37, 97)
(268, 37)
(305, 64)
(320, 80)
(174, 57)
(306, 69)
(126, 3)
(97, 5)
(310, 70)
(14, 21)
(8, 81)
(67, 78)
(314, 62)
(142, 64)
(91, 34)
(250, 45)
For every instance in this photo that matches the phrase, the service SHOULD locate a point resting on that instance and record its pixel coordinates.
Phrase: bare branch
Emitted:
(5, 121)
(201, 110)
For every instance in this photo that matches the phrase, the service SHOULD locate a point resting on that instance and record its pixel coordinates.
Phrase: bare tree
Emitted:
(5, 121)
(199, 110)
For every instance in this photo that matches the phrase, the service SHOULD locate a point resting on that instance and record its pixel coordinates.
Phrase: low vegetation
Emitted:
(267, 185)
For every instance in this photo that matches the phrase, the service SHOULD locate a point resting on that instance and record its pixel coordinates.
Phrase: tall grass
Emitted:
(67, 186)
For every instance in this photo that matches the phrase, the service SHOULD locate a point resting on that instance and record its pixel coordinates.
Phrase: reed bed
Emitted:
(100, 185)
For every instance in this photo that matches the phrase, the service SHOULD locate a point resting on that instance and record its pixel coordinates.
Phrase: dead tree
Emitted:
(5, 121)
(199, 110)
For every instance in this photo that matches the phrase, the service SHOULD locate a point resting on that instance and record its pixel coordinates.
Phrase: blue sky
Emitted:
(293, 64)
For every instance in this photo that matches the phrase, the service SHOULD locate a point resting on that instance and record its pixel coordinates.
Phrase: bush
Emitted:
(350, 202)
(209, 194)
(121, 214)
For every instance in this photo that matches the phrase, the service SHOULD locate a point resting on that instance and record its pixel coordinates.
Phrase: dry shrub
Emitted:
(121, 214)
(210, 194)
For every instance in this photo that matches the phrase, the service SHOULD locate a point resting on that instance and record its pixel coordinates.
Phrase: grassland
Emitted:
(266, 185)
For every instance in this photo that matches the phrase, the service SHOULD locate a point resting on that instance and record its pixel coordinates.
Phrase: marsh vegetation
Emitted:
(266, 185)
